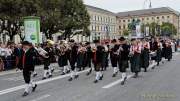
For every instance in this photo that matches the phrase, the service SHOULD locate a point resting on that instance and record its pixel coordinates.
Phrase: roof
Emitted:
(100, 10)
(148, 11)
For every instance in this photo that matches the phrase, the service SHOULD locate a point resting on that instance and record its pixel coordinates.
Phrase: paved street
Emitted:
(160, 84)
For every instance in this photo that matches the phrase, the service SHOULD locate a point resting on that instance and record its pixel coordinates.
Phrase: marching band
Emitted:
(119, 54)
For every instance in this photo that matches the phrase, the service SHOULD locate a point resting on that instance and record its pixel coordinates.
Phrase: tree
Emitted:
(50, 14)
(168, 29)
(12, 13)
(126, 32)
(74, 17)
(153, 28)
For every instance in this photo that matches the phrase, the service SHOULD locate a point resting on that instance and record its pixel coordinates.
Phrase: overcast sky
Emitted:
(127, 5)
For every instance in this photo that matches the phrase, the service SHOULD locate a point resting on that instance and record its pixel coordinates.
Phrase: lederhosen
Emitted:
(47, 60)
(168, 52)
(88, 57)
(62, 58)
(135, 60)
(73, 57)
(98, 58)
(123, 58)
(114, 55)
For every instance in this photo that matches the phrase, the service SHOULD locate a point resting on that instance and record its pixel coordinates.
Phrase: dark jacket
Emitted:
(29, 60)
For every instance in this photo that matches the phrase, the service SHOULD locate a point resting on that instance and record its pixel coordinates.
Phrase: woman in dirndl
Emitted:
(145, 55)
(135, 56)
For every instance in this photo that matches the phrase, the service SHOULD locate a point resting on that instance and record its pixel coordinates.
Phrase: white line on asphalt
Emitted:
(119, 80)
(115, 83)
(41, 97)
(2, 92)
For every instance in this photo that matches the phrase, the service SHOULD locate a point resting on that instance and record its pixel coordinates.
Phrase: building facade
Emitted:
(147, 16)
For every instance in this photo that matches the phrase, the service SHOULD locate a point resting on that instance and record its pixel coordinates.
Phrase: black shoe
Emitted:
(70, 79)
(122, 82)
(63, 73)
(50, 76)
(76, 76)
(68, 72)
(44, 78)
(52, 70)
(34, 88)
(135, 75)
(96, 81)
(114, 75)
(88, 73)
(145, 70)
(101, 77)
(153, 67)
(34, 75)
(25, 94)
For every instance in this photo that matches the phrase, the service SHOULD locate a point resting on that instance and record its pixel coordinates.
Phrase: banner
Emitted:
(32, 29)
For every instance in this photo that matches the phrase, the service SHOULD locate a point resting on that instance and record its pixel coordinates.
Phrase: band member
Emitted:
(73, 59)
(45, 53)
(114, 56)
(28, 63)
(168, 52)
(135, 52)
(18, 52)
(157, 48)
(81, 57)
(89, 57)
(105, 56)
(145, 54)
(124, 50)
(62, 58)
(97, 58)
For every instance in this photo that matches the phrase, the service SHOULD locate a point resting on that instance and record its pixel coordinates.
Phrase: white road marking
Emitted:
(115, 83)
(119, 80)
(2, 92)
(41, 97)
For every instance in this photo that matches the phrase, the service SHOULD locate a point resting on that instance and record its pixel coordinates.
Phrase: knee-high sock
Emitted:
(27, 88)
(72, 74)
(49, 70)
(123, 76)
(97, 75)
(115, 70)
(45, 73)
(75, 71)
(100, 73)
(64, 69)
(67, 68)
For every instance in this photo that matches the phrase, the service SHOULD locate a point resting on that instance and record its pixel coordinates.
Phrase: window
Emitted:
(128, 20)
(119, 27)
(167, 16)
(162, 17)
(147, 18)
(142, 19)
(124, 26)
(119, 21)
(152, 18)
(157, 17)
(124, 20)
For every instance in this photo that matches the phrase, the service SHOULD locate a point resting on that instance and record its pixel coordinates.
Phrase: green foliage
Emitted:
(168, 29)
(126, 32)
(74, 17)
(56, 15)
